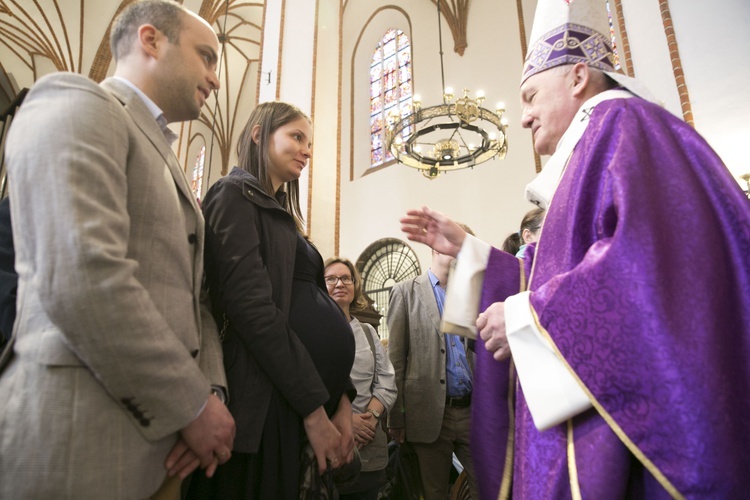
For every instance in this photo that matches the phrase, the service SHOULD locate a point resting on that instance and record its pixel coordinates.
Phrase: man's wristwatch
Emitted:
(374, 413)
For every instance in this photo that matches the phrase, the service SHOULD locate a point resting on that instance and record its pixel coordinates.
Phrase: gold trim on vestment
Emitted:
(575, 488)
(523, 276)
(504, 492)
(648, 464)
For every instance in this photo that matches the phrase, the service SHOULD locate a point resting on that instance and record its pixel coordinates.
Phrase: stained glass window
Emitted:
(390, 91)
(197, 184)
(612, 36)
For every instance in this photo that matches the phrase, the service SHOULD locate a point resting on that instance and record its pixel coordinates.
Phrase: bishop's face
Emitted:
(549, 105)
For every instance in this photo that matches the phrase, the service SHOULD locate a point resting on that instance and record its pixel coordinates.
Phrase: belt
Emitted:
(459, 401)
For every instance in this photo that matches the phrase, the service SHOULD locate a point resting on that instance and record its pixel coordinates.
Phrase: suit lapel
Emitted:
(151, 130)
(427, 297)
(146, 123)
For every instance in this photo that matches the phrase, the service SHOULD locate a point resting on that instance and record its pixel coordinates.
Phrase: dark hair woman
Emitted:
(288, 348)
(529, 232)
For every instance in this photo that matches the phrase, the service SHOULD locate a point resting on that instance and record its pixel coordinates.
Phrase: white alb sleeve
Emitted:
(552, 393)
(464, 289)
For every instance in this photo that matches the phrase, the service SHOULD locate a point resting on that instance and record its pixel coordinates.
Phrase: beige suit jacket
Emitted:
(416, 347)
(114, 348)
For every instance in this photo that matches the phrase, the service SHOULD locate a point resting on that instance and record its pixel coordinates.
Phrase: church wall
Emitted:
(351, 206)
(488, 198)
(323, 171)
(713, 46)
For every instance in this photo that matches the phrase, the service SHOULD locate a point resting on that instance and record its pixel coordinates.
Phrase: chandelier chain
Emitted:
(440, 41)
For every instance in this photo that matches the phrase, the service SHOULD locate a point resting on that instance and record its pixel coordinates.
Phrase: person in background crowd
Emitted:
(529, 231)
(433, 376)
(373, 377)
(511, 244)
(516, 243)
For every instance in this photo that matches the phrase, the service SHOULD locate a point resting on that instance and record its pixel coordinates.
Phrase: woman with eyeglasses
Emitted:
(288, 349)
(373, 377)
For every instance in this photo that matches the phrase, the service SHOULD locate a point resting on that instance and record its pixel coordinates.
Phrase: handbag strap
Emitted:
(6, 353)
(374, 354)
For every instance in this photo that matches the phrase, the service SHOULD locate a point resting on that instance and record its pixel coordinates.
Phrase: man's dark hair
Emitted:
(164, 15)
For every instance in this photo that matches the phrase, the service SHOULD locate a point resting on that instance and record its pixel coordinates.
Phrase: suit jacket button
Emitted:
(144, 422)
(192, 238)
(442, 351)
(194, 353)
(442, 381)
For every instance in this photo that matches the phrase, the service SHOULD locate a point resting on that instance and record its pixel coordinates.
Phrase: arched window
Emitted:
(390, 91)
(197, 184)
(383, 264)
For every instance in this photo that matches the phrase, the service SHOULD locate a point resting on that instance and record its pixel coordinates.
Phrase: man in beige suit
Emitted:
(115, 354)
(433, 375)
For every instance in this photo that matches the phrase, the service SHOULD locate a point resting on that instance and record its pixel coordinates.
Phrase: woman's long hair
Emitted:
(253, 156)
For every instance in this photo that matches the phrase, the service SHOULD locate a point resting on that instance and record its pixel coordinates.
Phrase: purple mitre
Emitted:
(569, 44)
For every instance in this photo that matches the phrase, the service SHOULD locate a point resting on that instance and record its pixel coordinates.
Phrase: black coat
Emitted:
(8, 276)
(250, 248)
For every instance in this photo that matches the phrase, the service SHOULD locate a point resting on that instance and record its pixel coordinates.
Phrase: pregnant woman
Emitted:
(288, 348)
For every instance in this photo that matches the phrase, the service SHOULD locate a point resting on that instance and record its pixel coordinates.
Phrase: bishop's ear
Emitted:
(581, 76)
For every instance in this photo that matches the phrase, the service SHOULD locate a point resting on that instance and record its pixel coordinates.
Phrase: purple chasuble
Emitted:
(492, 405)
(641, 278)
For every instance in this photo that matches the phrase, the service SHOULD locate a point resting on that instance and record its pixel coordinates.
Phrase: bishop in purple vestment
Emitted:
(638, 293)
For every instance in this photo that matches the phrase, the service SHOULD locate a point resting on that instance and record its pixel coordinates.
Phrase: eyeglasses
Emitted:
(345, 280)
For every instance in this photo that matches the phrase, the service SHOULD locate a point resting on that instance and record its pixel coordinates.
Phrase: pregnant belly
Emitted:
(324, 330)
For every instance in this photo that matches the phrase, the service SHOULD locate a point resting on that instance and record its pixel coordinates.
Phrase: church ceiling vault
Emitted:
(42, 36)
(456, 14)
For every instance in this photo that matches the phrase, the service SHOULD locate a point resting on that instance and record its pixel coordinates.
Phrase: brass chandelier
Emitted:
(451, 135)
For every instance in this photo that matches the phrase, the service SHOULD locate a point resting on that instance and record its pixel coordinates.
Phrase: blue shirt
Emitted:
(457, 373)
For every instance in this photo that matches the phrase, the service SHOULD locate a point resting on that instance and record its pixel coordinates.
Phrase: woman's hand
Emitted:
(324, 438)
(364, 428)
(434, 230)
